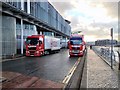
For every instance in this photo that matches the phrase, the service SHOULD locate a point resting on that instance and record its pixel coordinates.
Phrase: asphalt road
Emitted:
(50, 67)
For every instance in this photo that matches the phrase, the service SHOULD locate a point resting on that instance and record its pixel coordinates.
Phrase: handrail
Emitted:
(106, 54)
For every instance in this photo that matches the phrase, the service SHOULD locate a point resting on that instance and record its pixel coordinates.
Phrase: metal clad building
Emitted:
(8, 35)
(105, 42)
(0, 35)
(22, 18)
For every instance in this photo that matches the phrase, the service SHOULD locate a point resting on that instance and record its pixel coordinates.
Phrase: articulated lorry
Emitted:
(38, 45)
(76, 45)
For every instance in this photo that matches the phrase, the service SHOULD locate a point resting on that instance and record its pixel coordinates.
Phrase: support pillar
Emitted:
(28, 6)
(22, 4)
(66, 42)
(21, 36)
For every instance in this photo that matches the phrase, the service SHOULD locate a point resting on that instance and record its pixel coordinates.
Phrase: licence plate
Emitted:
(31, 55)
(75, 51)
(75, 54)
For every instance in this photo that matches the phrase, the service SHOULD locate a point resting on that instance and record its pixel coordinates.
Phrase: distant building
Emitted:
(105, 42)
(118, 44)
(90, 43)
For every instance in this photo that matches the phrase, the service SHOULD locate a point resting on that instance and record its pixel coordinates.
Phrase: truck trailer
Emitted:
(38, 45)
(76, 45)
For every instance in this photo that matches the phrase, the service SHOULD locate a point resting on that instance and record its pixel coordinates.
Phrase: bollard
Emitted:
(90, 46)
(119, 60)
(114, 60)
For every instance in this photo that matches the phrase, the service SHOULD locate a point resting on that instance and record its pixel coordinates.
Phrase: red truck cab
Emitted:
(34, 45)
(38, 45)
(76, 46)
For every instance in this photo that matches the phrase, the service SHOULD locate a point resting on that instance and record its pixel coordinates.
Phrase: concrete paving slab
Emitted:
(17, 80)
(41, 83)
(99, 74)
(9, 75)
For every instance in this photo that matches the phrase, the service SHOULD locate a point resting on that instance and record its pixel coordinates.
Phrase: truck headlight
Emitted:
(81, 51)
(27, 52)
(37, 52)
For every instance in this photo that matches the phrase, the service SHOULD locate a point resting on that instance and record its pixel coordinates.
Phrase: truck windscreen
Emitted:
(75, 41)
(32, 41)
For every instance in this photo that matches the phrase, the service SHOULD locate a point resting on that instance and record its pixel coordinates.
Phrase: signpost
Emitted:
(111, 47)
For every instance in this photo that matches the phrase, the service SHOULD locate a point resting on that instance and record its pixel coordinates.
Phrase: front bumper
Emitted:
(33, 53)
(80, 53)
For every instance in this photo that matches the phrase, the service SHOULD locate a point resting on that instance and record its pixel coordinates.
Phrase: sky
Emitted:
(94, 19)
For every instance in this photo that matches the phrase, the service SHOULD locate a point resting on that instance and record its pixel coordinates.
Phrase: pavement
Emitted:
(99, 74)
(15, 57)
(17, 80)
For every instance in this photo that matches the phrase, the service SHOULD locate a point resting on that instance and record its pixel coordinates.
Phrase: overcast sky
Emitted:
(94, 19)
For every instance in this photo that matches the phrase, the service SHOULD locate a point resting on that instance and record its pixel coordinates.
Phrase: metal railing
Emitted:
(105, 53)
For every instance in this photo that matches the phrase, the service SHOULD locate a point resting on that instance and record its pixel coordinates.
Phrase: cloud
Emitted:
(98, 30)
(75, 22)
(108, 25)
(112, 8)
(93, 18)
(62, 7)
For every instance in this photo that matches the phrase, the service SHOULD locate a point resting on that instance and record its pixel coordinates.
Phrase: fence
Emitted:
(105, 53)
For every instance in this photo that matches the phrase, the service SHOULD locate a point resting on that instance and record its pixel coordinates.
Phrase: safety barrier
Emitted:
(105, 53)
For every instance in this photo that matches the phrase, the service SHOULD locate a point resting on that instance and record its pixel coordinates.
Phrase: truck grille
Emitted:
(32, 48)
(75, 48)
(32, 52)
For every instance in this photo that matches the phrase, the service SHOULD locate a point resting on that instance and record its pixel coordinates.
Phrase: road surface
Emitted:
(50, 67)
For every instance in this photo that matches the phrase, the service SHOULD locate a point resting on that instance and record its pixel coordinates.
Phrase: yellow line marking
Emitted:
(69, 75)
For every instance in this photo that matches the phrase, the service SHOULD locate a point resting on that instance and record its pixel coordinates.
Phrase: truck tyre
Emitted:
(47, 52)
(57, 51)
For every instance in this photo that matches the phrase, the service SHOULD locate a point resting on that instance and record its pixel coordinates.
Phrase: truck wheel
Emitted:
(57, 51)
(46, 52)
(43, 53)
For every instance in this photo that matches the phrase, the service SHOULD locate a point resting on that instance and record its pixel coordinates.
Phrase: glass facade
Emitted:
(48, 33)
(28, 29)
(45, 12)
(16, 4)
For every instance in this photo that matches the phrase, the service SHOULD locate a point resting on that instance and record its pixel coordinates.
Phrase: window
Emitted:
(32, 41)
(75, 41)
